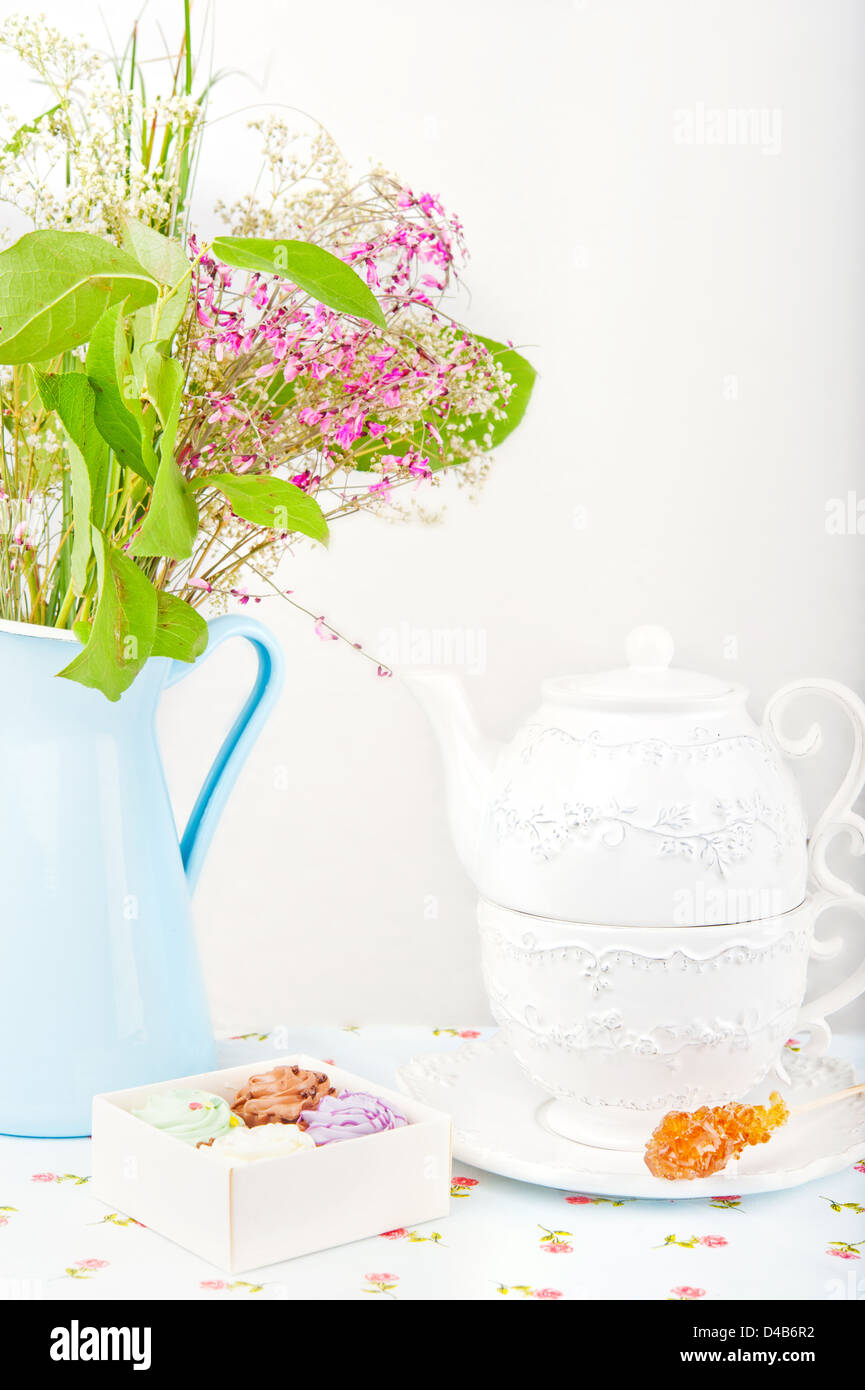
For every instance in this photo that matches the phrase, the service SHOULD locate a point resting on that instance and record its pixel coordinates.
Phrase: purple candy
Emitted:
(349, 1115)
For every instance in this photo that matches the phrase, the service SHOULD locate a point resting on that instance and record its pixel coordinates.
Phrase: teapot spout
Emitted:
(469, 758)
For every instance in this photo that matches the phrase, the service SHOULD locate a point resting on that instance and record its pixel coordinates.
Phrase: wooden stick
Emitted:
(827, 1100)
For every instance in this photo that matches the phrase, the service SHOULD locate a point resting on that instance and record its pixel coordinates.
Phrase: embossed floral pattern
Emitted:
(654, 752)
(545, 831)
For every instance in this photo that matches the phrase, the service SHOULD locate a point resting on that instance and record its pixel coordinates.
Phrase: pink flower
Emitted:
(579, 1200)
(712, 1241)
(860, 1167)
(470, 1033)
(465, 1182)
(195, 1105)
(322, 631)
(557, 1247)
(734, 1198)
(201, 584)
(399, 1234)
(4, 1220)
(381, 1278)
(687, 1291)
(91, 1264)
(547, 1293)
(213, 1284)
(44, 1177)
(845, 1254)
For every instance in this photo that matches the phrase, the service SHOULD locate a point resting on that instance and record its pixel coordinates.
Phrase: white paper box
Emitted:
(275, 1208)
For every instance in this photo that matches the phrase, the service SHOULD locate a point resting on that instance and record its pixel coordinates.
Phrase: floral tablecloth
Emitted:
(502, 1240)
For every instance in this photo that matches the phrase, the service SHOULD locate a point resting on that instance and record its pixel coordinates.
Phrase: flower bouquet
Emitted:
(178, 413)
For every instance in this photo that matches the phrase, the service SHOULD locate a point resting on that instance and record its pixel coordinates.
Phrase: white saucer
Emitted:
(498, 1127)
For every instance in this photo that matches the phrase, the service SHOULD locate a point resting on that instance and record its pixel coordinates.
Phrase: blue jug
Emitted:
(99, 973)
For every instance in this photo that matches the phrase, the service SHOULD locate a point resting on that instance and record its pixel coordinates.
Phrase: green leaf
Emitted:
(171, 522)
(163, 383)
(523, 375)
(74, 400)
(268, 501)
(55, 286)
(124, 625)
(108, 370)
(181, 632)
(18, 139)
(167, 262)
(321, 274)
(482, 430)
(162, 256)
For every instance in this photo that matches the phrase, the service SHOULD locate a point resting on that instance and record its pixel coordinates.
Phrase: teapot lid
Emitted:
(648, 679)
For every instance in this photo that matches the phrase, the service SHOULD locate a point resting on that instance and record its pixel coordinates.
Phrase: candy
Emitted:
(193, 1116)
(280, 1095)
(701, 1142)
(244, 1145)
(349, 1115)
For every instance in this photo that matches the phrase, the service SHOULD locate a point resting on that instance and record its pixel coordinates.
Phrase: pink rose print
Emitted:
(462, 1187)
(860, 1166)
(456, 1032)
(526, 1291)
(82, 1269)
(195, 1105)
(691, 1242)
(399, 1234)
(579, 1200)
(687, 1291)
(60, 1177)
(381, 1283)
(845, 1249)
(555, 1242)
(239, 1286)
(4, 1220)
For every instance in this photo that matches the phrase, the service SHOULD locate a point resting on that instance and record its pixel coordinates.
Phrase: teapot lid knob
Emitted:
(649, 648)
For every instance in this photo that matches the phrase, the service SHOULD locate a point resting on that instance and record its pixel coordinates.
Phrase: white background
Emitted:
(695, 313)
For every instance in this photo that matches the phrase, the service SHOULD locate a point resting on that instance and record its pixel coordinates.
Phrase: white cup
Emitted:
(622, 1024)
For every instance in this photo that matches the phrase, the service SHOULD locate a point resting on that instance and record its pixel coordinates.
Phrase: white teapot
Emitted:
(644, 796)
(648, 892)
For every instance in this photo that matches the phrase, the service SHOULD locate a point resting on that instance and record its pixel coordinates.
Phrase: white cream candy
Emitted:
(264, 1141)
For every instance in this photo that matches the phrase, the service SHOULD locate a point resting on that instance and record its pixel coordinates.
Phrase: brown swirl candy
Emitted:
(280, 1095)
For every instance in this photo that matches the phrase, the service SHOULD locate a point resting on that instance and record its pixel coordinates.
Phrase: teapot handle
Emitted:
(240, 738)
(838, 818)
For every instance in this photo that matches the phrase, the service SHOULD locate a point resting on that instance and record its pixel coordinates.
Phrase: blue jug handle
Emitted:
(240, 738)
